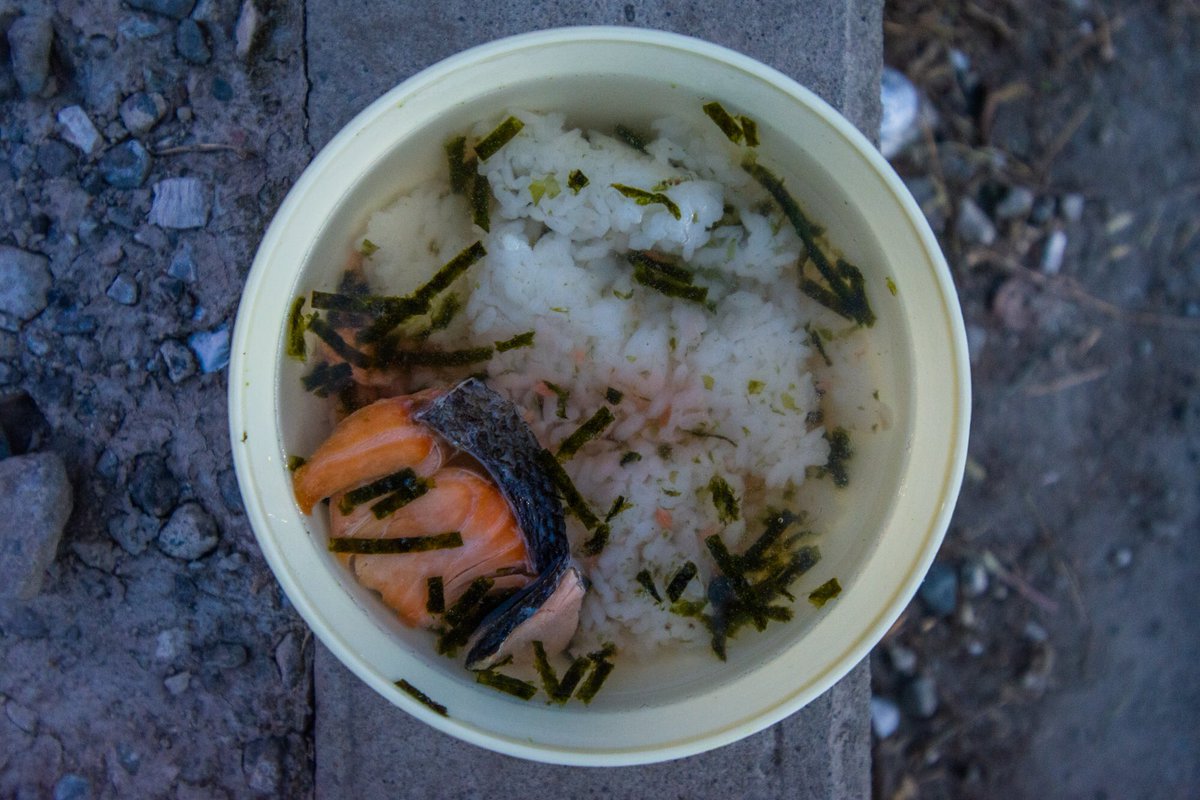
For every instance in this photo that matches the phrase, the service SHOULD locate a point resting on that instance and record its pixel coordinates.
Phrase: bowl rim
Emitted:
(949, 484)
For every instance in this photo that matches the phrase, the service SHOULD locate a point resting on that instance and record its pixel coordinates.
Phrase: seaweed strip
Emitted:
(295, 327)
(357, 304)
(630, 138)
(840, 452)
(296, 462)
(570, 679)
(399, 499)
(749, 130)
(393, 357)
(336, 343)
(460, 168)
(396, 546)
(617, 507)
(505, 683)
(445, 313)
(725, 121)
(724, 499)
(575, 503)
(504, 132)
(825, 592)
(818, 343)
(421, 697)
(436, 602)
(585, 433)
(595, 544)
(645, 198)
(672, 271)
(601, 667)
(647, 582)
(630, 458)
(720, 597)
(520, 340)
(396, 310)
(326, 379)
(683, 576)
(613, 396)
(464, 616)
(405, 478)
(545, 670)
(563, 395)
(730, 567)
(664, 284)
(576, 181)
(703, 434)
(755, 556)
(481, 193)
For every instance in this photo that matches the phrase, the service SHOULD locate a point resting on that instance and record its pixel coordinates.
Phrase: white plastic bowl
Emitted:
(887, 526)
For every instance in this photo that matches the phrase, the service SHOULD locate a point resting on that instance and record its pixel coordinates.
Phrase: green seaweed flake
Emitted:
(464, 616)
(840, 452)
(481, 195)
(405, 479)
(328, 379)
(647, 582)
(613, 396)
(589, 430)
(337, 344)
(506, 683)
(619, 506)
(392, 311)
(825, 592)
(563, 396)
(570, 680)
(645, 198)
(503, 133)
(395, 546)
(368, 248)
(520, 340)
(576, 181)
(402, 496)
(575, 503)
(445, 313)
(749, 130)
(664, 284)
(295, 330)
(724, 499)
(815, 337)
(725, 121)
(601, 668)
(545, 670)
(630, 457)
(296, 462)
(436, 595)
(461, 169)
(390, 356)
(683, 576)
(630, 138)
(421, 697)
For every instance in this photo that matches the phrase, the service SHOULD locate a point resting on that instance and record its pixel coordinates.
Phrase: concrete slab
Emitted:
(364, 747)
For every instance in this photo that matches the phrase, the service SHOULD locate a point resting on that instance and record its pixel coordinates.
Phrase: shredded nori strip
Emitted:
(481, 193)
(356, 304)
(464, 616)
(749, 130)
(680, 581)
(545, 671)
(404, 479)
(520, 340)
(391, 356)
(563, 395)
(659, 264)
(595, 544)
(818, 343)
(630, 138)
(295, 330)
(336, 343)
(505, 683)
(725, 121)
(326, 379)
(576, 181)
(840, 452)
(570, 679)
(724, 499)
(601, 667)
(738, 583)
(663, 283)
(395, 546)
(399, 498)
(398, 309)
(489, 145)
(755, 557)
(575, 503)
(647, 582)
(436, 602)
(445, 313)
(703, 434)
(645, 198)
(296, 462)
(630, 457)
(460, 168)
(825, 592)
(846, 293)
(613, 396)
(421, 697)
(585, 433)
(720, 596)
(617, 507)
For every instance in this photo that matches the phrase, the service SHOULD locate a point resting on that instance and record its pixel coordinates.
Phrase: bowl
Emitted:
(883, 531)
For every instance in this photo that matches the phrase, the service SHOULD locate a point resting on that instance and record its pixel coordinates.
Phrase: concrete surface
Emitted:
(365, 748)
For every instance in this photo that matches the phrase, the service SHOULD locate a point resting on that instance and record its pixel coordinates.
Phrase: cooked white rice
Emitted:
(556, 265)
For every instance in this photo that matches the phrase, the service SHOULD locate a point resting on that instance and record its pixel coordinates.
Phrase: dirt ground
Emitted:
(1056, 655)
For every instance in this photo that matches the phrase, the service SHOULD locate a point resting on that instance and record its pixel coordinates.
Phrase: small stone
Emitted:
(77, 128)
(141, 111)
(1071, 207)
(29, 40)
(189, 41)
(221, 89)
(919, 698)
(1052, 255)
(973, 577)
(152, 487)
(1017, 203)
(72, 787)
(1122, 557)
(885, 717)
(133, 532)
(939, 590)
(183, 264)
(1043, 210)
(189, 534)
(1034, 632)
(96, 553)
(72, 322)
(899, 123)
(903, 660)
(225, 655)
(126, 165)
(976, 340)
(288, 660)
(38, 486)
(21, 716)
(138, 28)
(124, 290)
(180, 203)
(975, 648)
(176, 9)
(23, 621)
(231, 495)
(211, 348)
(262, 764)
(248, 24)
(973, 225)
(1013, 305)
(171, 644)
(178, 683)
(181, 365)
(24, 282)
(55, 158)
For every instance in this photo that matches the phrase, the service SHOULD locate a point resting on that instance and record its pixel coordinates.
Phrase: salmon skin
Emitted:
(479, 421)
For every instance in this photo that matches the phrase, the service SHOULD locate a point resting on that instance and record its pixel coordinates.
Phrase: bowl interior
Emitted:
(878, 535)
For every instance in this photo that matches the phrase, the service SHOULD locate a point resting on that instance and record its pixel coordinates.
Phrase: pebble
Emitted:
(189, 534)
(231, 495)
(1043, 210)
(152, 487)
(973, 577)
(183, 264)
(180, 203)
(55, 158)
(919, 698)
(1017, 203)
(1122, 557)
(288, 660)
(124, 290)
(1071, 207)
(171, 644)
(72, 787)
(885, 717)
(178, 683)
(903, 659)
(138, 28)
(141, 111)
(225, 655)
(262, 764)
(976, 340)
(38, 485)
(126, 165)
(77, 128)
(133, 532)
(1052, 255)
(29, 40)
(96, 553)
(23, 621)
(180, 362)
(71, 322)
(211, 348)
(21, 716)
(248, 24)
(189, 41)
(24, 282)
(1034, 632)
(176, 9)
(939, 590)
(973, 225)
(222, 90)
(899, 123)
(975, 648)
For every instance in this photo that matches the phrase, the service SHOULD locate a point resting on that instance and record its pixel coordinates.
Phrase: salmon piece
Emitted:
(459, 500)
(371, 443)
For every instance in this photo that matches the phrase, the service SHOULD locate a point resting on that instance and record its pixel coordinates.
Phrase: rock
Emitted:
(262, 764)
(903, 660)
(1034, 632)
(126, 165)
(183, 264)
(899, 123)
(38, 486)
(231, 495)
(71, 322)
(246, 31)
(133, 532)
(973, 578)
(1017, 204)
(189, 42)
(171, 644)
(919, 698)
(77, 128)
(1043, 210)
(152, 487)
(939, 590)
(1013, 305)
(178, 683)
(176, 9)
(222, 90)
(180, 203)
(24, 282)
(189, 534)
(29, 40)
(96, 553)
(22, 716)
(124, 290)
(180, 363)
(55, 158)
(1121, 558)
(211, 348)
(885, 716)
(225, 655)
(72, 787)
(140, 112)
(289, 660)
(977, 337)
(973, 225)
(1071, 207)
(1052, 254)
(22, 621)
